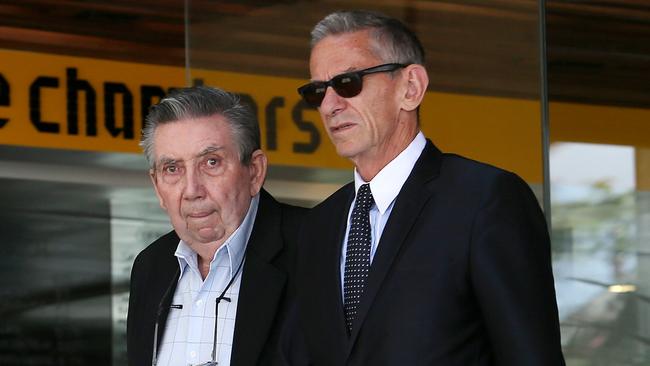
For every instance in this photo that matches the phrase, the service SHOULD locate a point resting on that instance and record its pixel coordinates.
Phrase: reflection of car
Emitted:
(62, 332)
(604, 331)
(65, 260)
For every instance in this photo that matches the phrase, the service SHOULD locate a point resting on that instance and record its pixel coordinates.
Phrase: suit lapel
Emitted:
(319, 281)
(409, 202)
(164, 283)
(166, 298)
(262, 284)
(333, 259)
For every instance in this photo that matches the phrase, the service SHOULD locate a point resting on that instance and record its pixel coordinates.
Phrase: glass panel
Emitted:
(601, 253)
(600, 178)
(72, 223)
(55, 275)
(136, 221)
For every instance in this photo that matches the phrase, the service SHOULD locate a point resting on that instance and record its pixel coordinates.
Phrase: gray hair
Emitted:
(198, 102)
(391, 40)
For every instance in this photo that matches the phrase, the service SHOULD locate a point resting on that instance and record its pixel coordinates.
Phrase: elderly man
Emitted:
(427, 258)
(215, 288)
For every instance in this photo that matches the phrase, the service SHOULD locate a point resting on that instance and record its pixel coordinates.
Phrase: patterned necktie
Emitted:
(357, 257)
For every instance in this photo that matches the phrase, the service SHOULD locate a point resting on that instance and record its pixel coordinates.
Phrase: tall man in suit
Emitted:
(427, 258)
(232, 247)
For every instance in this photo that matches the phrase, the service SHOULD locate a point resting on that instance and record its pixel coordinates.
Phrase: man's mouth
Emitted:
(341, 127)
(199, 215)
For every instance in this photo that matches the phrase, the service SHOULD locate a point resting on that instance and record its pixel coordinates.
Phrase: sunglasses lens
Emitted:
(347, 85)
(313, 93)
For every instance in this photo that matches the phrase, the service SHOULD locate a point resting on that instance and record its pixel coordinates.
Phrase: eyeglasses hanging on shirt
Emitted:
(161, 308)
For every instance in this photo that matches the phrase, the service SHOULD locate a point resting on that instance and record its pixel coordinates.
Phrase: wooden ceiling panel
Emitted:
(598, 51)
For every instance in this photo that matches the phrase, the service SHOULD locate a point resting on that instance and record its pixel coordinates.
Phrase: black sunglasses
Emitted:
(346, 85)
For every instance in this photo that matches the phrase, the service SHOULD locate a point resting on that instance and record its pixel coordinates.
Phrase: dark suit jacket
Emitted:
(462, 275)
(263, 299)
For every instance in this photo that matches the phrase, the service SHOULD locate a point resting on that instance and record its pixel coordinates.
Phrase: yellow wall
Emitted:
(502, 131)
(600, 124)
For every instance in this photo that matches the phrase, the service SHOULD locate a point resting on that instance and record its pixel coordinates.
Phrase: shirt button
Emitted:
(193, 354)
(199, 302)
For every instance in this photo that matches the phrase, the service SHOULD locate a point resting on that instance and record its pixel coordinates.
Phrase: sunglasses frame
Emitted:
(317, 89)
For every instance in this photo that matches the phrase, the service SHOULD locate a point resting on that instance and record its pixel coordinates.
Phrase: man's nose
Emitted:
(194, 185)
(332, 102)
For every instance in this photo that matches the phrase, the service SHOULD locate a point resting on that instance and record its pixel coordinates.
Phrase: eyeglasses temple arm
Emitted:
(216, 319)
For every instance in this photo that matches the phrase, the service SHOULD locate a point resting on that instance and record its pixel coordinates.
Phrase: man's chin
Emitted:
(208, 235)
(203, 237)
(346, 150)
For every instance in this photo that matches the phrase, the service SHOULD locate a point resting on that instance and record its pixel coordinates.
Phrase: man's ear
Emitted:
(152, 176)
(417, 81)
(257, 169)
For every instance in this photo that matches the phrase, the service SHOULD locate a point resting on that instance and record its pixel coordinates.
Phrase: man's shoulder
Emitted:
(455, 165)
(288, 212)
(342, 196)
(457, 174)
(461, 164)
(292, 210)
(463, 174)
(162, 247)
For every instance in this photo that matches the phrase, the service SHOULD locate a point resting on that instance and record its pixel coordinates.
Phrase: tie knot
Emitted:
(364, 197)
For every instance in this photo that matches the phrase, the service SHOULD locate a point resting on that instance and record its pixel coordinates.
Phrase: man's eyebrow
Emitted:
(169, 160)
(349, 69)
(166, 160)
(209, 150)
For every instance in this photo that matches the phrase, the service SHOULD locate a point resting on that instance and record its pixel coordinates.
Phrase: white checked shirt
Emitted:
(189, 331)
(385, 187)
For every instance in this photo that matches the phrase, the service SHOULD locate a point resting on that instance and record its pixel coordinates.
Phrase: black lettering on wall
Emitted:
(272, 122)
(110, 90)
(197, 82)
(306, 126)
(74, 86)
(148, 93)
(4, 97)
(35, 104)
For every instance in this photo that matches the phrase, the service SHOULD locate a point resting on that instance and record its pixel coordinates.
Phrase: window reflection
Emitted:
(598, 254)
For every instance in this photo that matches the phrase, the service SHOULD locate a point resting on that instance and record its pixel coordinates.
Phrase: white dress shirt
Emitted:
(385, 187)
(189, 331)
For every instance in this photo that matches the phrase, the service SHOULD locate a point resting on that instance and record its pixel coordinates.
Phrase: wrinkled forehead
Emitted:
(191, 138)
(340, 53)
(191, 157)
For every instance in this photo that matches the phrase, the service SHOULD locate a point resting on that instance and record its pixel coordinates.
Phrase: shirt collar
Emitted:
(389, 181)
(234, 247)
